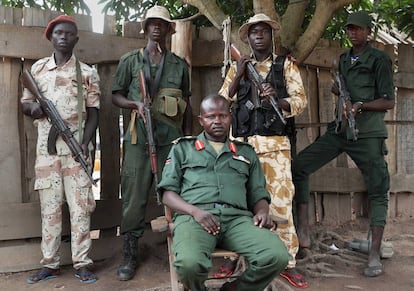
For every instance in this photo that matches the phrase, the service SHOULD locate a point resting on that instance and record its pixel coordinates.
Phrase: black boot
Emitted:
(302, 211)
(126, 270)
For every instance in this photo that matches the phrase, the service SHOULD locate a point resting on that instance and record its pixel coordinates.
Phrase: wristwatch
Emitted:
(360, 107)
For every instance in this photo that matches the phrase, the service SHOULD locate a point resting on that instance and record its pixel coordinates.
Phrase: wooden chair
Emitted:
(164, 223)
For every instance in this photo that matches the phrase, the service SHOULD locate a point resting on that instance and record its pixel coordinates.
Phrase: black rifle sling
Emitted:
(153, 84)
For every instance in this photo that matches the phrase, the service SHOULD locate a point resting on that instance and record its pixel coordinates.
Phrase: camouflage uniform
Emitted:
(59, 177)
(274, 151)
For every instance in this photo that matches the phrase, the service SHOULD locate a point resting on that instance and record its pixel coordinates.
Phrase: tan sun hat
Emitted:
(260, 17)
(161, 13)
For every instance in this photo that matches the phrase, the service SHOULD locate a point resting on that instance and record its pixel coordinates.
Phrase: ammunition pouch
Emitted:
(169, 107)
(248, 120)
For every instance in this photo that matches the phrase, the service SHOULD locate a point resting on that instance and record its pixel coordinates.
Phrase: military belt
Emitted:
(214, 206)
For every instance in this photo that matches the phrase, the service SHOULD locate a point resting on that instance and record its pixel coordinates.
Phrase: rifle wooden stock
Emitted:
(258, 81)
(59, 127)
(152, 149)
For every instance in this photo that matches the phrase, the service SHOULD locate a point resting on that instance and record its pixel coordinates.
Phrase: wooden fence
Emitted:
(22, 42)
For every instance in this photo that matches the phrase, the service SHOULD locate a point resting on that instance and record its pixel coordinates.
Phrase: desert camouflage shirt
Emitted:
(59, 84)
(297, 100)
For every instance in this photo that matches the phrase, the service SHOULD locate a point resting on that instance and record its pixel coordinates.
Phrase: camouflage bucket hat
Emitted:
(244, 29)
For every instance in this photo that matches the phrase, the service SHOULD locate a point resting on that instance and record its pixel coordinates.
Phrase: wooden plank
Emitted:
(22, 220)
(10, 15)
(29, 43)
(209, 33)
(181, 41)
(323, 56)
(41, 17)
(402, 183)
(205, 56)
(406, 58)
(109, 135)
(109, 25)
(23, 255)
(405, 133)
(10, 179)
(310, 115)
(28, 140)
(404, 80)
(341, 180)
(133, 29)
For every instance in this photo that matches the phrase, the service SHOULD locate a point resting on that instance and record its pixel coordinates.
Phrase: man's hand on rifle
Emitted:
(139, 107)
(85, 151)
(268, 90)
(241, 66)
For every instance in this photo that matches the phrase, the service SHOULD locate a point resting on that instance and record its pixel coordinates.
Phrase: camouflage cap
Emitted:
(359, 18)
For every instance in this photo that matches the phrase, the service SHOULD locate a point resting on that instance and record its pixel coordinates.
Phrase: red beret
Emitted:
(59, 19)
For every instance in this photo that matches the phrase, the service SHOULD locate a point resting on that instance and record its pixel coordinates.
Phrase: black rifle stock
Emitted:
(344, 99)
(59, 127)
(258, 81)
(152, 150)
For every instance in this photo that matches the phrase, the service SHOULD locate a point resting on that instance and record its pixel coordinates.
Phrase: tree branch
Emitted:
(323, 14)
(210, 10)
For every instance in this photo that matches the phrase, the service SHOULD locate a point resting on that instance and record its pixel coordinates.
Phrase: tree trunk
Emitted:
(267, 7)
(292, 22)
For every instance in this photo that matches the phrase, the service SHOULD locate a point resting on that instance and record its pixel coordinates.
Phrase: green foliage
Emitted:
(399, 13)
(391, 13)
(66, 6)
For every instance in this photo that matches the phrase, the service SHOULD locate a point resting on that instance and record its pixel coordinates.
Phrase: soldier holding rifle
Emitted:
(167, 81)
(256, 120)
(367, 73)
(72, 89)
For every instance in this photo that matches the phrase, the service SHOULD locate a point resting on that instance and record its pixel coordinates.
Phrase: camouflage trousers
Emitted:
(275, 158)
(60, 179)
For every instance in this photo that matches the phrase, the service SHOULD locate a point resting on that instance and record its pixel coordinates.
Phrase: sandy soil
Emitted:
(153, 272)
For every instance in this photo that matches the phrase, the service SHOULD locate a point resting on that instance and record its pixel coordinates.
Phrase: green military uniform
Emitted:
(367, 78)
(136, 176)
(228, 184)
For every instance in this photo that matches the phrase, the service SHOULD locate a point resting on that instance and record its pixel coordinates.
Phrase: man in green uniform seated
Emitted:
(218, 191)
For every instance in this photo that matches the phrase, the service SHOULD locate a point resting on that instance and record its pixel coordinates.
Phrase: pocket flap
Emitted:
(42, 183)
(170, 106)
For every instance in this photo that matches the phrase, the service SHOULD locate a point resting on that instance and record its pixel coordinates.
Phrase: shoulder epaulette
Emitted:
(133, 52)
(239, 142)
(39, 64)
(183, 138)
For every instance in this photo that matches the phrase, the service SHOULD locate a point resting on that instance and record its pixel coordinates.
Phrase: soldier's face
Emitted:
(64, 37)
(260, 36)
(357, 35)
(156, 29)
(215, 118)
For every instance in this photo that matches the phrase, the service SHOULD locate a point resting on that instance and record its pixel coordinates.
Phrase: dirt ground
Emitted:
(337, 274)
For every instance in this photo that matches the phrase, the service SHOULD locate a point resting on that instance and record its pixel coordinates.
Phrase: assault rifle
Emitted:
(257, 80)
(152, 150)
(344, 99)
(59, 127)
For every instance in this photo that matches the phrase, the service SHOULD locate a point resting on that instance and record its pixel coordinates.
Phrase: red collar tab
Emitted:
(199, 145)
(232, 147)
